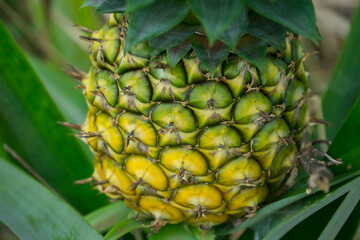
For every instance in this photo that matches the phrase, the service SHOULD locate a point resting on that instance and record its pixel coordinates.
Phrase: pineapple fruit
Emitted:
(180, 135)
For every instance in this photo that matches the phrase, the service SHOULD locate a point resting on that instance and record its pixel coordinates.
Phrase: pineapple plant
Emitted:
(197, 118)
(196, 121)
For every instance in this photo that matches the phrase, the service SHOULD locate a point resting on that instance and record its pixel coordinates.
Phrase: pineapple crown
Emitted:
(213, 28)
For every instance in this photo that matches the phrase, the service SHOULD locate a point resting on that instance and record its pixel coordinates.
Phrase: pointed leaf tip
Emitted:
(298, 16)
(216, 15)
(210, 57)
(154, 20)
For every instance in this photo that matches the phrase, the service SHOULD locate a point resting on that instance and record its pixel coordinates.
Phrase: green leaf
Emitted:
(351, 226)
(111, 6)
(69, 101)
(28, 125)
(31, 211)
(123, 227)
(344, 86)
(171, 38)
(281, 229)
(173, 232)
(92, 3)
(179, 51)
(236, 30)
(216, 15)
(341, 215)
(266, 29)
(212, 56)
(154, 20)
(298, 16)
(253, 50)
(132, 5)
(104, 218)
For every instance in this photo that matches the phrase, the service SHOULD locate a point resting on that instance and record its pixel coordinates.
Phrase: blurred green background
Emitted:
(45, 31)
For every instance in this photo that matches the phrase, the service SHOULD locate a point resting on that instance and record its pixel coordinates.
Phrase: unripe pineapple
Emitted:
(189, 128)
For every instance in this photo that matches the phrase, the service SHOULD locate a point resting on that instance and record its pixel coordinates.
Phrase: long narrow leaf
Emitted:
(341, 215)
(31, 211)
(104, 218)
(28, 122)
(344, 86)
(281, 229)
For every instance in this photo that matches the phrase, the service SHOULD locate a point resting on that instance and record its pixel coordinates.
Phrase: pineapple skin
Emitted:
(176, 144)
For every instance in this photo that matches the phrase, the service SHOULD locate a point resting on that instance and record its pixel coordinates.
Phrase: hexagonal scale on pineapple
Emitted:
(107, 85)
(190, 160)
(192, 196)
(247, 198)
(174, 115)
(220, 136)
(110, 42)
(136, 83)
(156, 207)
(143, 169)
(136, 128)
(129, 62)
(271, 74)
(272, 132)
(117, 176)
(206, 117)
(163, 90)
(110, 133)
(251, 106)
(160, 69)
(295, 92)
(210, 94)
(241, 170)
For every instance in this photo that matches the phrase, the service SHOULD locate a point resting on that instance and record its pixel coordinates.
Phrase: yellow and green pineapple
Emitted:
(195, 117)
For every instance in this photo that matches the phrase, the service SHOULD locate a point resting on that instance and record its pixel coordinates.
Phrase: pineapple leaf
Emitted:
(281, 229)
(266, 29)
(341, 215)
(212, 56)
(92, 3)
(298, 16)
(32, 211)
(179, 51)
(123, 227)
(216, 15)
(104, 218)
(345, 142)
(111, 6)
(252, 49)
(344, 85)
(30, 127)
(236, 30)
(171, 38)
(154, 20)
(132, 5)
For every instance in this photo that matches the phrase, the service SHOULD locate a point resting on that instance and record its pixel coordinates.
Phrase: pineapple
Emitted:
(189, 125)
